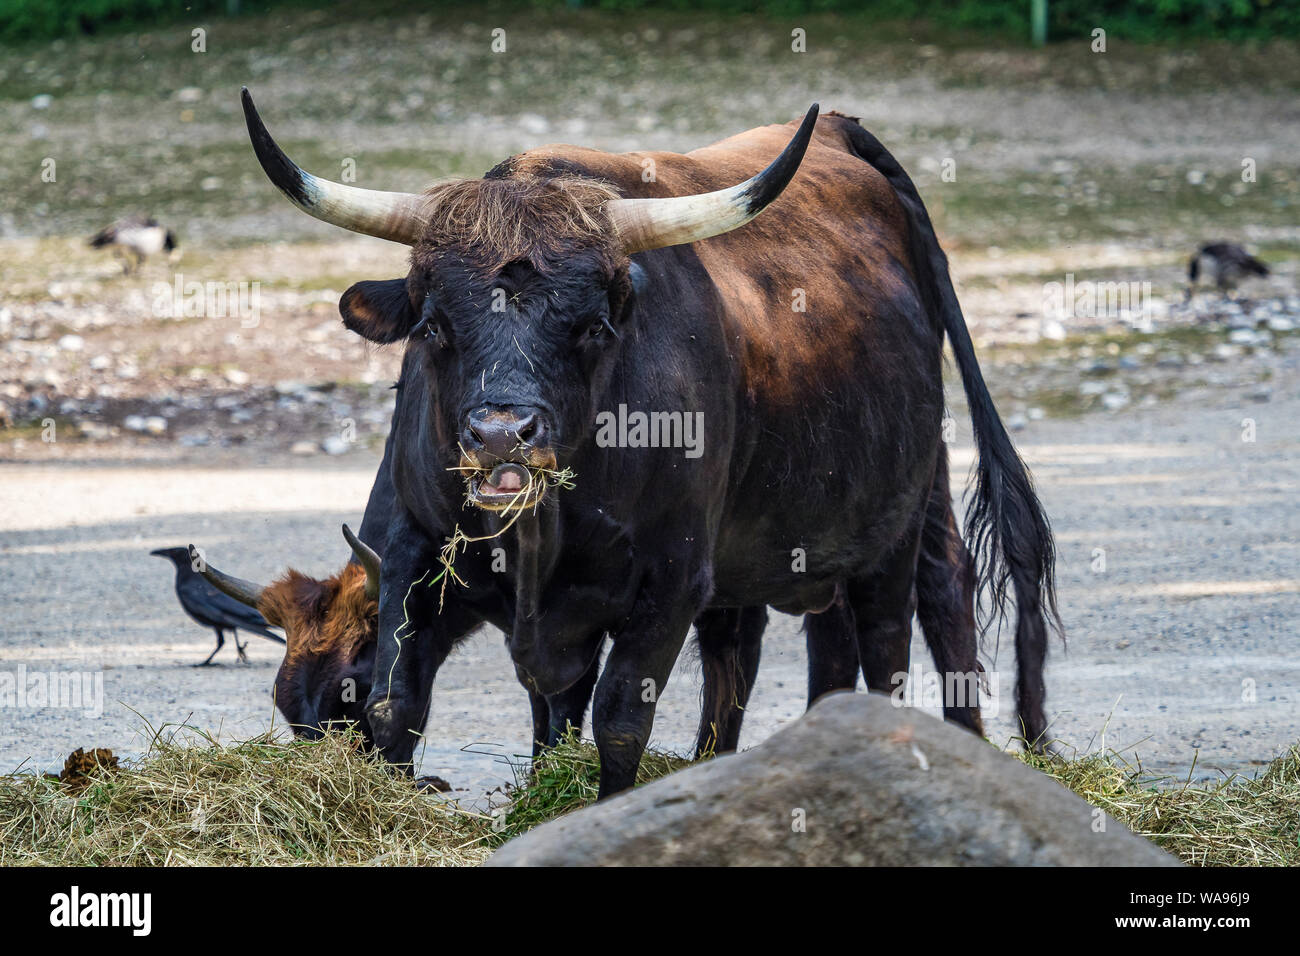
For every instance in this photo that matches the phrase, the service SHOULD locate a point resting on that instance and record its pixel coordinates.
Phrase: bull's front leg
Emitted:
(414, 640)
(636, 672)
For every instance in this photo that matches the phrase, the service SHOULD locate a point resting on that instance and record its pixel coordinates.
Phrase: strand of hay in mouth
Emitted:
(562, 478)
(190, 801)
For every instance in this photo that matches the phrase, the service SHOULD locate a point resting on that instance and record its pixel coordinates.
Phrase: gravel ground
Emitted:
(1183, 647)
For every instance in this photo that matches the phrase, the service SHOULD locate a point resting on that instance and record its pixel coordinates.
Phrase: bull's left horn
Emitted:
(394, 216)
(368, 559)
(245, 592)
(653, 223)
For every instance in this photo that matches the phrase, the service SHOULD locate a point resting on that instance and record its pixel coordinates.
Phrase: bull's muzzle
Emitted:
(503, 449)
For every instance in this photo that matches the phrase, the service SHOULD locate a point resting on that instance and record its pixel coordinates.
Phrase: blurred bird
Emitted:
(135, 238)
(210, 607)
(1228, 262)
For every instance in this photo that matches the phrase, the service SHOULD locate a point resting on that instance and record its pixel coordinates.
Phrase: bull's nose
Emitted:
(505, 433)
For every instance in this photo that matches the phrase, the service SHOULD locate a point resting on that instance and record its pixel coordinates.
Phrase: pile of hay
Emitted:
(1235, 822)
(190, 801)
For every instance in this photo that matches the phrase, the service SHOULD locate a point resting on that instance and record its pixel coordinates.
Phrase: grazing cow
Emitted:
(566, 287)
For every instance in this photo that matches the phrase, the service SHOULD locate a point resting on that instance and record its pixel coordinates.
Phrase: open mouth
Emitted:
(508, 486)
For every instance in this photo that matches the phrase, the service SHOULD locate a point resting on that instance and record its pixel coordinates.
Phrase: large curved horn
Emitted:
(394, 216)
(245, 592)
(654, 223)
(368, 559)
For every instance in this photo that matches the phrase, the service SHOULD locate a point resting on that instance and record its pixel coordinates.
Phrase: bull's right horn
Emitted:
(372, 212)
(644, 224)
(245, 592)
(368, 559)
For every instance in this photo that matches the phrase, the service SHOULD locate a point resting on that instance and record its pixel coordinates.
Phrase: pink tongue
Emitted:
(503, 481)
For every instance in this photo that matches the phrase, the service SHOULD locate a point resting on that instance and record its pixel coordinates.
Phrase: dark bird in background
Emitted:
(134, 239)
(210, 607)
(1227, 262)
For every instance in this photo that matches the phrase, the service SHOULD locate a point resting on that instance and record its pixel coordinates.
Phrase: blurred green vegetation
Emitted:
(1140, 20)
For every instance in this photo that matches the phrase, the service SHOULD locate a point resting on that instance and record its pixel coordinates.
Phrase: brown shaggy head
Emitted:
(332, 616)
(489, 223)
(330, 628)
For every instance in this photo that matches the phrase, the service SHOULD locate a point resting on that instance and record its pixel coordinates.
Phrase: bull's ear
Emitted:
(379, 311)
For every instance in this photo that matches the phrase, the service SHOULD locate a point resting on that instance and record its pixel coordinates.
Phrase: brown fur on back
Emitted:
(535, 219)
(838, 232)
(329, 617)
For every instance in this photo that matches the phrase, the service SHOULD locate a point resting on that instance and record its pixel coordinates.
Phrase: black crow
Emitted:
(135, 236)
(210, 607)
(1228, 262)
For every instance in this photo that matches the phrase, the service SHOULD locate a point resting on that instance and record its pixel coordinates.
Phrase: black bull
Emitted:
(822, 426)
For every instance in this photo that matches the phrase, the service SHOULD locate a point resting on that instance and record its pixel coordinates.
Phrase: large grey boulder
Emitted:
(858, 782)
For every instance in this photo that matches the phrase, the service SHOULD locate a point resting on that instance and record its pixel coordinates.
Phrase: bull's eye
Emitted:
(596, 329)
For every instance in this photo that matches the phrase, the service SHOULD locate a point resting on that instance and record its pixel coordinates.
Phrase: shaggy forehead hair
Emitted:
(332, 616)
(540, 220)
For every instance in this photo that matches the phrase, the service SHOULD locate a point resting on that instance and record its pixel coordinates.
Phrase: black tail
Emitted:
(1255, 266)
(1006, 529)
(102, 238)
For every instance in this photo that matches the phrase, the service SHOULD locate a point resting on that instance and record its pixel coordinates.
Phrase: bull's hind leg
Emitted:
(831, 638)
(883, 605)
(730, 640)
(945, 604)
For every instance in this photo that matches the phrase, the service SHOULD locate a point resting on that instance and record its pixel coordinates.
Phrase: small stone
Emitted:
(100, 362)
(94, 431)
(155, 425)
(72, 343)
(1053, 330)
(302, 448)
(42, 101)
(1114, 401)
(335, 445)
(237, 376)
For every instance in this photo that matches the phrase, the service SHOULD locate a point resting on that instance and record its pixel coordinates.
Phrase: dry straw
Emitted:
(190, 801)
